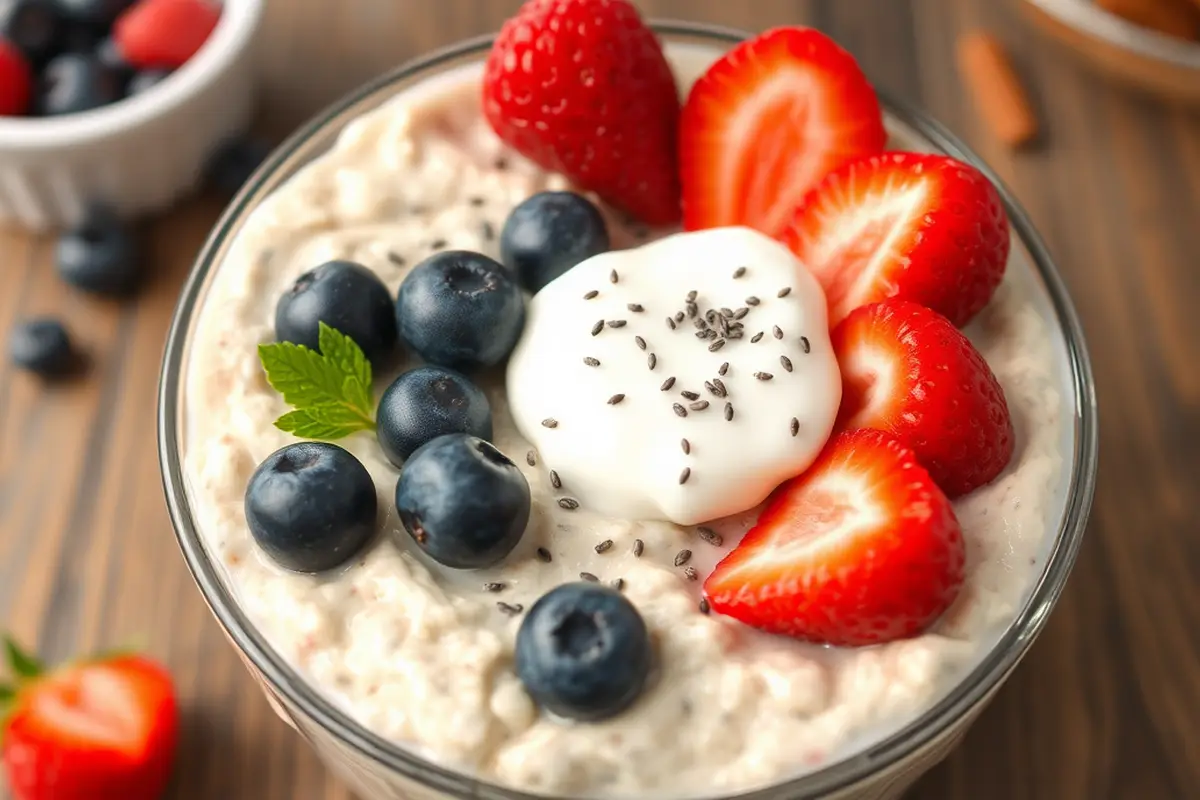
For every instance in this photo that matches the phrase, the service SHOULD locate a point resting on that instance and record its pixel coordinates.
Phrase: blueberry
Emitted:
(108, 53)
(235, 161)
(345, 296)
(428, 402)
(460, 309)
(75, 82)
(583, 651)
(99, 256)
(96, 14)
(42, 346)
(548, 233)
(463, 501)
(34, 26)
(78, 39)
(311, 506)
(141, 81)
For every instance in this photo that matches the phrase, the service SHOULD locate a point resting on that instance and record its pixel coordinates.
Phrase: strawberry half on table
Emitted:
(861, 549)
(92, 730)
(582, 87)
(766, 122)
(921, 227)
(908, 371)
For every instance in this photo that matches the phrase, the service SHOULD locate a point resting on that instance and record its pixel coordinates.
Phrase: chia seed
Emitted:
(512, 609)
(739, 272)
(682, 557)
(795, 426)
(613, 277)
(784, 292)
(683, 476)
(593, 293)
(587, 576)
(670, 323)
(636, 308)
(690, 573)
(724, 368)
(543, 555)
(652, 361)
(437, 244)
(638, 547)
(604, 546)
(667, 384)
(591, 362)
(568, 503)
(488, 230)
(729, 412)
(599, 326)
(549, 422)
(396, 258)
(786, 363)
(699, 405)
(531, 458)
(686, 446)
(618, 583)
(679, 410)
(776, 332)
(689, 395)
(710, 536)
(763, 376)
(704, 606)
(804, 345)
(616, 323)
(640, 342)
(495, 587)
(555, 481)
(615, 399)
(752, 301)
(717, 345)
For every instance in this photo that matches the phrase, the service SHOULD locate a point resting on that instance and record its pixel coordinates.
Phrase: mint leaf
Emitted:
(7, 693)
(22, 664)
(330, 390)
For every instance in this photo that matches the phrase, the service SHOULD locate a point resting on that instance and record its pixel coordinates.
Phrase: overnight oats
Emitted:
(594, 441)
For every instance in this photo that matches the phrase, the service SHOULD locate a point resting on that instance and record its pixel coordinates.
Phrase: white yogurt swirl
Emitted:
(643, 419)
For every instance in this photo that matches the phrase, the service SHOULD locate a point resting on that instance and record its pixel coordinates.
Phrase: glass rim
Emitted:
(285, 681)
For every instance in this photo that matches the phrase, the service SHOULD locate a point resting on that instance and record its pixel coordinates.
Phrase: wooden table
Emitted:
(1107, 705)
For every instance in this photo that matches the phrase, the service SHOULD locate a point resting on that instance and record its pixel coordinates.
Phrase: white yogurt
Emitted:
(644, 414)
(422, 655)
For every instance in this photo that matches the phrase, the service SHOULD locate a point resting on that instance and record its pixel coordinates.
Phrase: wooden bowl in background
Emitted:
(1165, 65)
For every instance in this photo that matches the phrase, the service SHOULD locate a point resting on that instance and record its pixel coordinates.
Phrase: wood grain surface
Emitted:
(1107, 704)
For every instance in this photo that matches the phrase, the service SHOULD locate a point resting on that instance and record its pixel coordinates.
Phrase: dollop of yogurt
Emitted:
(680, 380)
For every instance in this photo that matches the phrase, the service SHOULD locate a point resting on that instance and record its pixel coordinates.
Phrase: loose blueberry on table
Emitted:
(345, 296)
(42, 346)
(550, 232)
(583, 652)
(428, 402)
(311, 506)
(234, 162)
(464, 503)
(460, 309)
(99, 256)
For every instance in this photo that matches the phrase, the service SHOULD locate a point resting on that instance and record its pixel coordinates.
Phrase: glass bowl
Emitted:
(378, 768)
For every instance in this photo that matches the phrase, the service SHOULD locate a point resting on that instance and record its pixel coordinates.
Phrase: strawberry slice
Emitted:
(861, 549)
(165, 33)
(96, 730)
(926, 228)
(908, 371)
(767, 122)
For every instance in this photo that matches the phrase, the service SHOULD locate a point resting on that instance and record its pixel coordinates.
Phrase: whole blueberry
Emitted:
(34, 26)
(583, 651)
(345, 296)
(550, 232)
(428, 402)
(311, 506)
(108, 53)
(460, 309)
(78, 39)
(100, 255)
(146, 79)
(75, 82)
(463, 501)
(235, 161)
(98, 15)
(41, 346)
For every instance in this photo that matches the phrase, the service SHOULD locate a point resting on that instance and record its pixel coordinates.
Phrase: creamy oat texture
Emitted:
(423, 656)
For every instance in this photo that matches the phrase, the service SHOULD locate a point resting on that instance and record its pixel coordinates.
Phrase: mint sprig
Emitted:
(330, 390)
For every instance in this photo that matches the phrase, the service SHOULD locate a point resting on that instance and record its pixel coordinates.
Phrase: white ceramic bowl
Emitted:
(142, 153)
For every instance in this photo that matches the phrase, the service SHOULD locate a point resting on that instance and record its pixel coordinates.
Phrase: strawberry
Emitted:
(104, 729)
(766, 123)
(582, 87)
(16, 81)
(908, 371)
(164, 34)
(861, 549)
(926, 228)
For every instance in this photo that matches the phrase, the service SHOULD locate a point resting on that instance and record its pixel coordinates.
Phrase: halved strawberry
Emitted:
(95, 730)
(768, 121)
(926, 228)
(861, 549)
(908, 371)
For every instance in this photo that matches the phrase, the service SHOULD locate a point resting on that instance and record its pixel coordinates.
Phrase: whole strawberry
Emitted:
(582, 87)
(102, 729)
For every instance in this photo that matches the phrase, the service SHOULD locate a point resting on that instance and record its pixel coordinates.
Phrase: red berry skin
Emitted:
(582, 87)
(16, 81)
(164, 34)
